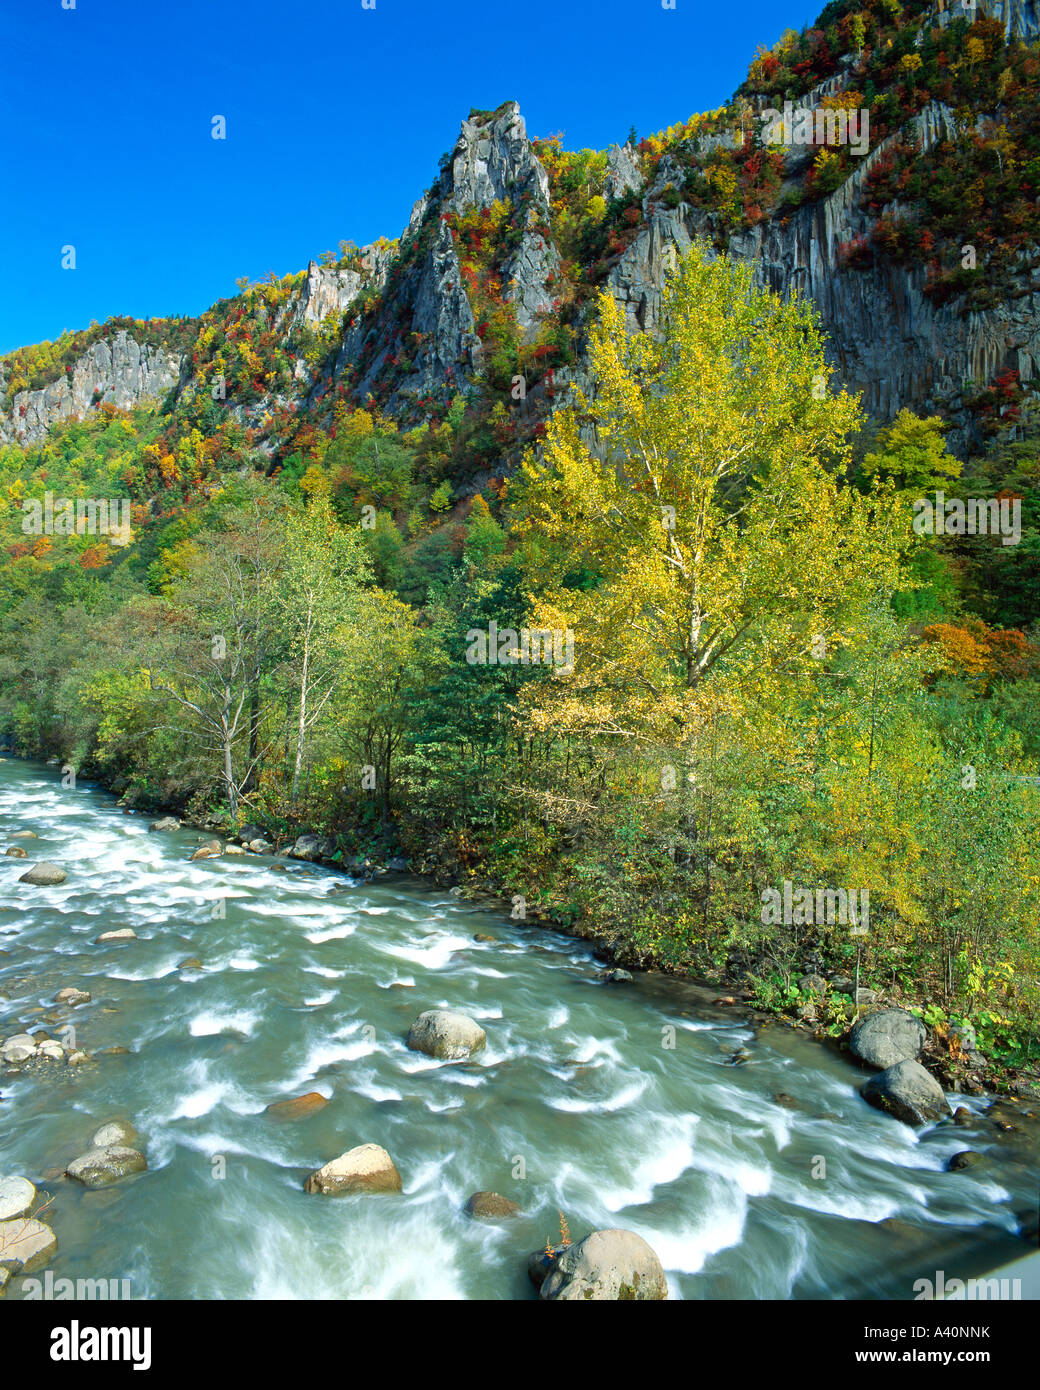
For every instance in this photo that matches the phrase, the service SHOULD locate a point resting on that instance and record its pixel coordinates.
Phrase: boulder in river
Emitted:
(16, 852)
(260, 846)
(967, 1158)
(120, 934)
(908, 1092)
(17, 1196)
(886, 1037)
(616, 977)
(25, 1245)
(18, 1048)
(309, 847)
(70, 995)
(111, 1164)
(606, 1266)
(445, 1034)
(212, 850)
(296, 1108)
(250, 832)
(191, 963)
(44, 875)
(25, 835)
(113, 1135)
(367, 1168)
(490, 1206)
(165, 823)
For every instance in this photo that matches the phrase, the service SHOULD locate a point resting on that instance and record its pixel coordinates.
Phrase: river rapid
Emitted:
(580, 1102)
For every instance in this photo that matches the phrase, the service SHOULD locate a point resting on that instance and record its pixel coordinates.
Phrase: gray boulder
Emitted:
(445, 1034)
(889, 1036)
(606, 1266)
(111, 1164)
(165, 823)
(44, 875)
(114, 1134)
(907, 1092)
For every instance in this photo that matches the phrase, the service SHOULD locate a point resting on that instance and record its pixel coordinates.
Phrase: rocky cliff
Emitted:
(118, 370)
(411, 323)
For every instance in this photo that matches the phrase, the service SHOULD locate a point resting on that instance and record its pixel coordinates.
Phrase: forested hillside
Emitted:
(566, 544)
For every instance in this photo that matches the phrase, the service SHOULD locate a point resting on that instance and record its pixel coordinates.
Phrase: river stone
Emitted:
(606, 1266)
(490, 1206)
(812, 984)
(963, 1116)
(445, 1034)
(192, 963)
(76, 1059)
(908, 1092)
(18, 1049)
(113, 1135)
(616, 977)
(25, 1245)
(25, 835)
(296, 1108)
(53, 1051)
(17, 1196)
(210, 851)
(72, 996)
(307, 847)
(967, 1158)
(367, 1168)
(889, 1036)
(16, 852)
(166, 823)
(122, 934)
(260, 846)
(44, 875)
(100, 1167)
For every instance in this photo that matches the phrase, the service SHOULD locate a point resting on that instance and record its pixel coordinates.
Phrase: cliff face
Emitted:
(119, 370)
(402, 320)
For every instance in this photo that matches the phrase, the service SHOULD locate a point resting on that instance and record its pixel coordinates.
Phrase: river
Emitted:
(578, 1103)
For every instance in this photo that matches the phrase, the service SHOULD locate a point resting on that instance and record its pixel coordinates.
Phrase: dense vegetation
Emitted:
(774, 677)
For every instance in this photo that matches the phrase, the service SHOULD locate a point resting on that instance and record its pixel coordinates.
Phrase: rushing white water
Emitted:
(578, 1104)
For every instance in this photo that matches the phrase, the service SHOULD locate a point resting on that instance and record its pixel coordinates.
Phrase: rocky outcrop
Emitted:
(116, 369)
(446, 1035)
(908, 1092)
(889, 1036)
(493, 159)
(607, 1266)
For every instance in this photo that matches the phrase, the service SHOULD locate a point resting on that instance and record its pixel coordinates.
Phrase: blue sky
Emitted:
(336, 118)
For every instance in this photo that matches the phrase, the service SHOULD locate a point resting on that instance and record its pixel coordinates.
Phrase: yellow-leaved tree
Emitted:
(699, 487)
